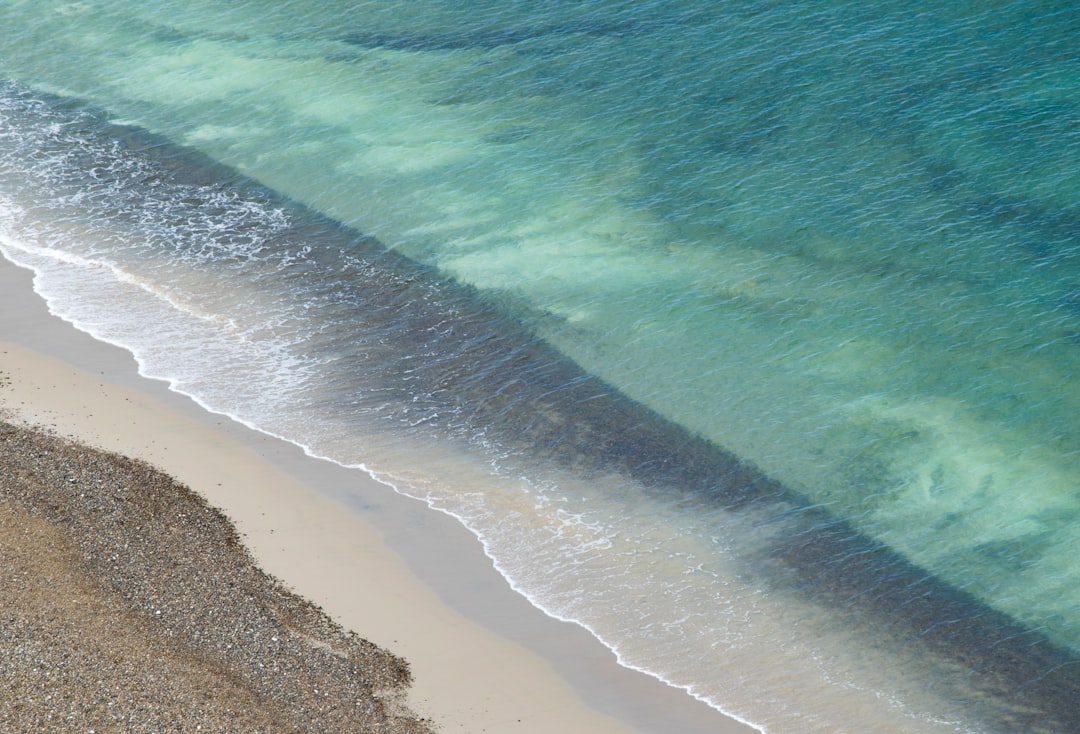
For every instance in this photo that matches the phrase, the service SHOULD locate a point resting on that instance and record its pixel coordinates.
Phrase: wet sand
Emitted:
(381, 566)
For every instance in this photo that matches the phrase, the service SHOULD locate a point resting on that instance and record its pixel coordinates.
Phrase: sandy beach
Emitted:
(457, 650)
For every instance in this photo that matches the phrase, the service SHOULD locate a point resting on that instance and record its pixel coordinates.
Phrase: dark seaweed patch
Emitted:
(495, 38)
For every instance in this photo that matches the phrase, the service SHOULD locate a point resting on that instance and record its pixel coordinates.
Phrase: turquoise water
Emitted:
(836, 241)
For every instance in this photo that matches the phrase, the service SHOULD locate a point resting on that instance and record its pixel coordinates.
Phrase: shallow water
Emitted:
(647, 295)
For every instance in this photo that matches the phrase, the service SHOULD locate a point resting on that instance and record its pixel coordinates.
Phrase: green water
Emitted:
(840, 241)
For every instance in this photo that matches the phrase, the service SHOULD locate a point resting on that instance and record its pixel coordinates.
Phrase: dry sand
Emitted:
(481, 658)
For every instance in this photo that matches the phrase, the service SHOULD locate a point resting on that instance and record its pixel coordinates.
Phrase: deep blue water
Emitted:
(743, 334)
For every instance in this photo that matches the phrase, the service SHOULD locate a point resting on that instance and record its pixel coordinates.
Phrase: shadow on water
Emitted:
(446, 354)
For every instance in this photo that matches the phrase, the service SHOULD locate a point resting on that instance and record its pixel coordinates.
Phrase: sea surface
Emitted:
(744, 334)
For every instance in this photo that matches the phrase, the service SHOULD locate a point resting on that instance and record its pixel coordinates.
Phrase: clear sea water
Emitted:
(744, 334)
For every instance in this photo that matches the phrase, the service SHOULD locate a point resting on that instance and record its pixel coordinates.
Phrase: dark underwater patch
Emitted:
(496, 37)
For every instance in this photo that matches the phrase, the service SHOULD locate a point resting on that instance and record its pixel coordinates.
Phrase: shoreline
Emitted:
(482, 657)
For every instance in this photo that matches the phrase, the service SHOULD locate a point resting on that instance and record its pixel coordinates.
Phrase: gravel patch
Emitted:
(128, 604)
